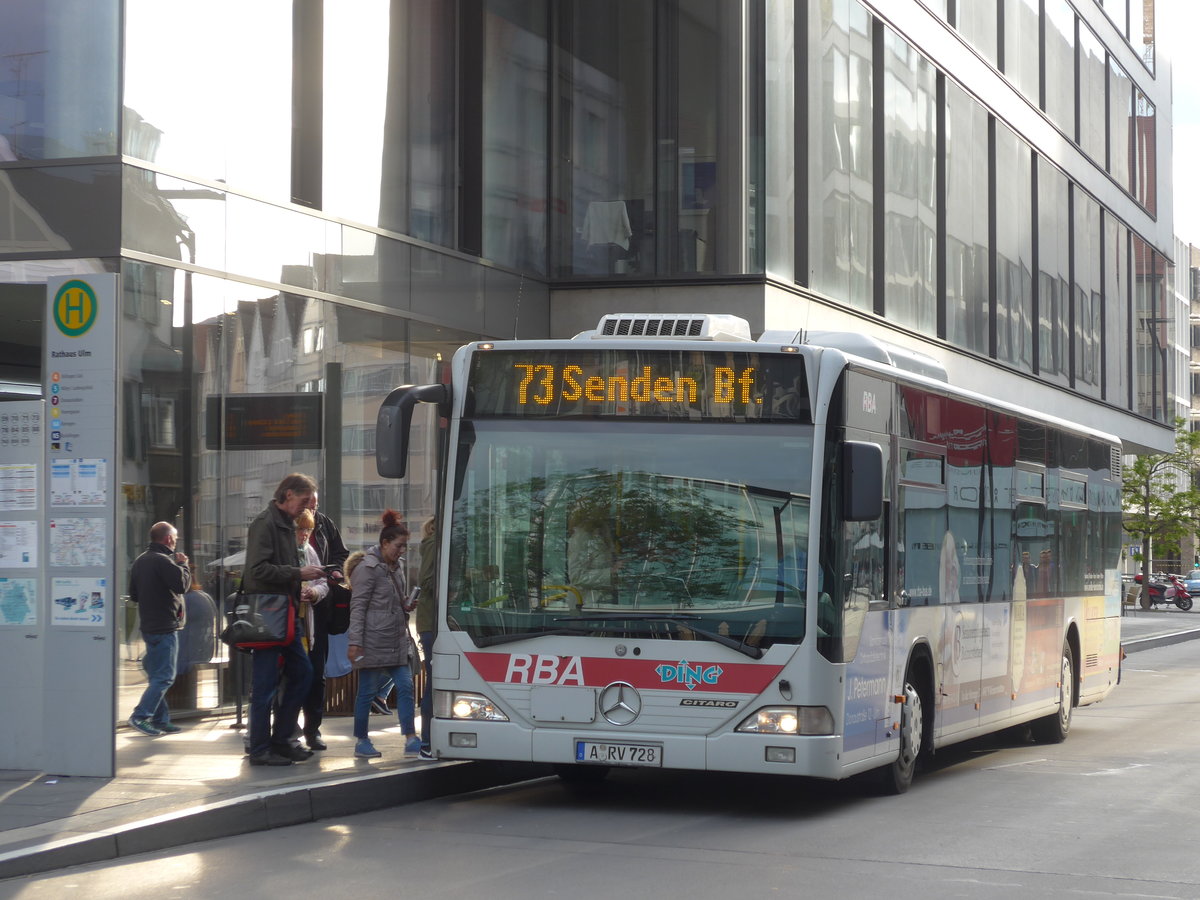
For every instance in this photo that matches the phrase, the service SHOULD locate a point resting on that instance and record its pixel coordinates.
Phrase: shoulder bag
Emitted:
(261, 621)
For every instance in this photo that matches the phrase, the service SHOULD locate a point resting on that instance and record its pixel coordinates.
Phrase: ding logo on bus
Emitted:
(688, 675)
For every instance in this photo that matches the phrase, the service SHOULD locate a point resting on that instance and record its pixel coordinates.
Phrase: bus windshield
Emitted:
(630, 529)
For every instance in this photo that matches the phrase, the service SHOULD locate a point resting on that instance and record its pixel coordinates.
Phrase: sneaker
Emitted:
(145, 726)
(380, 708)
(315, 743)
(167, 727)
(365, 749)
(412, 746)
(296, 754)
(270, 758)
(426, 753)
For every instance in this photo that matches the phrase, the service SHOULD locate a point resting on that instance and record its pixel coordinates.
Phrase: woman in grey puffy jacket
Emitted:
(378, 635)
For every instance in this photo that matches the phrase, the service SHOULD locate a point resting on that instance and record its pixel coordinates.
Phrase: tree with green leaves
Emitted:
(1159, 494)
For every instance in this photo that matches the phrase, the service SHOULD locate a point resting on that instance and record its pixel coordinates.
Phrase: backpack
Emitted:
(337, 603)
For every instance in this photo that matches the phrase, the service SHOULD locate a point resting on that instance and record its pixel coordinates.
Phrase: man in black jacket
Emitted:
(273, 566)
(157, 582)
(331, 550)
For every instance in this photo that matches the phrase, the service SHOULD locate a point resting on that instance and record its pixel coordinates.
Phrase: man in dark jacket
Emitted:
(327, 541)
(157, 582)
(273, 566)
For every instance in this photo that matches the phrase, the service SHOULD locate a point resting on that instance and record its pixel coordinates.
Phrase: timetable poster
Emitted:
(18, 544)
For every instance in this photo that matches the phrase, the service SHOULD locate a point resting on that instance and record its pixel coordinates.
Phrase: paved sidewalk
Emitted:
(196, 785)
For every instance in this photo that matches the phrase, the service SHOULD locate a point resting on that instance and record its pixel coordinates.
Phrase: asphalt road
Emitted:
(1110, 813)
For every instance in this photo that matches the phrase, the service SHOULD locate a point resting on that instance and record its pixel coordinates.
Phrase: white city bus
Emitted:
(666, 544)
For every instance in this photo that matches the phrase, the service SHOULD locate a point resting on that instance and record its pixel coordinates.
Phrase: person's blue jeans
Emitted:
(369, 681)
(159, 661)
(290, 661)
(427, 697)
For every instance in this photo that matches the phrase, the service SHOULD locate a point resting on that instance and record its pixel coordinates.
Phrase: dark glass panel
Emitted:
(603, 212)
(42, 210)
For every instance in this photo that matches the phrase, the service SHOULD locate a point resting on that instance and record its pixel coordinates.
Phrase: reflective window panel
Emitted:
(1022, 60)
(1116, 312)
(515, 95)
(1054, 298)
(781, 174)
(58, 80)
(1152, 334)
(840, 155)
(1092, 102)
(1014, 250)
(1120, 124)
(1089, 299)
(978, 21)
(221, 116)
(604, 212)
(389, 129)
(909, 190)
(1144, 160)
(1060, 65)
(967, 266)
(303, 354)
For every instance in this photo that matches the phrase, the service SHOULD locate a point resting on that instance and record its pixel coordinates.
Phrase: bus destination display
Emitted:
(689, 384)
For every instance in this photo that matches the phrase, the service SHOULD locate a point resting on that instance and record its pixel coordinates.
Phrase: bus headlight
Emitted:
(465, 706)
(788, 720)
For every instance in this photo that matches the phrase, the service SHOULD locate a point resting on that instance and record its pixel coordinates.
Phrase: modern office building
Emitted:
(318, 201)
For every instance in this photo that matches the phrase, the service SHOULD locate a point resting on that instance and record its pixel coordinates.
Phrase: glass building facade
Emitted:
(329, 198)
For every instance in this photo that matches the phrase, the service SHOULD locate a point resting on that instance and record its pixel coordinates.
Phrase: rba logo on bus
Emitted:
(688, 675)
(526, 669)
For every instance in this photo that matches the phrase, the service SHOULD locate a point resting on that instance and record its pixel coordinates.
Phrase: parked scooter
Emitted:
(1164, 588)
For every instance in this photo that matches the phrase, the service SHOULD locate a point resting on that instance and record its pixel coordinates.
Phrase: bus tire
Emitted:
(1054, 728)
(575, 774)
(896, 777)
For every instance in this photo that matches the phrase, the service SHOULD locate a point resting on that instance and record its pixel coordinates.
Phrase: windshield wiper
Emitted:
(681, 619)
(492, 639)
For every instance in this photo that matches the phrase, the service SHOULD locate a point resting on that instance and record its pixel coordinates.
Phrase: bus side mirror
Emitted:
(862, 481)
(393, 423)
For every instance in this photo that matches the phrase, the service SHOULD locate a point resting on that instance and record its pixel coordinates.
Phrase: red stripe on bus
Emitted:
(586, 671)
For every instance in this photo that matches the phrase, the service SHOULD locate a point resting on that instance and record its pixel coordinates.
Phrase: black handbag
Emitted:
(261, 621)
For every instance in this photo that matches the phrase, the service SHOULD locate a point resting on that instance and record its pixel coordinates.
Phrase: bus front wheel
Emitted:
(897, 776)
(1054, 728)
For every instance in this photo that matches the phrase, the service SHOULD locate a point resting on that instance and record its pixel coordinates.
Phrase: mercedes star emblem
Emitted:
(620, 703)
